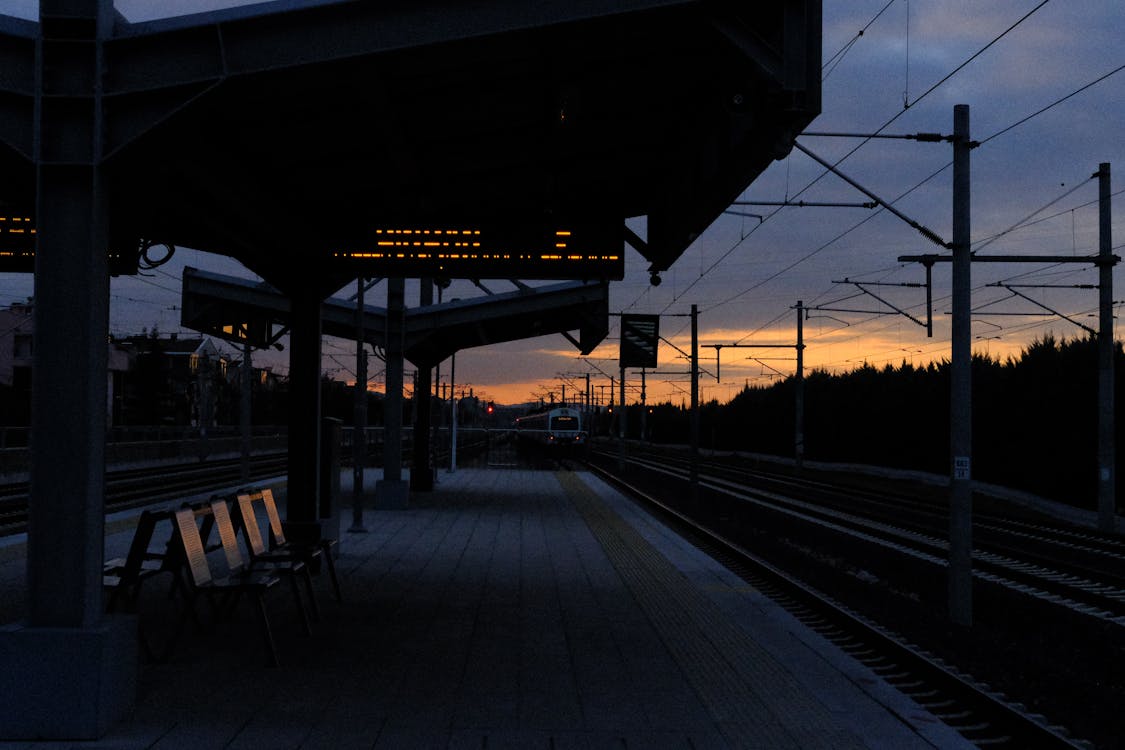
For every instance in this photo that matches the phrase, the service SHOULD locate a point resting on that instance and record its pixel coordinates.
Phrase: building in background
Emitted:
(17, 346)
(154, 379)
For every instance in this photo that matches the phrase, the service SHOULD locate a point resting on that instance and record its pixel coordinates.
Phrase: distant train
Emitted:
(556, 429)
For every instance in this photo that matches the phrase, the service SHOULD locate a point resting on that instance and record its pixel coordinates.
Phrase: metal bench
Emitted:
(310, 554)
(222, 593)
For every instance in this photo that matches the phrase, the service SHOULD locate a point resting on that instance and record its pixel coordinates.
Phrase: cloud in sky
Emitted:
(746, 275)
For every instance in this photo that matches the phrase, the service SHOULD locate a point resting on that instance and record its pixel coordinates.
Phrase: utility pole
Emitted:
(1106, 345)
(644, 409)
(203, 409)
(799, 388)
(961, 387)
(452, 414)
(586, 418)
(694, 404)
(359, 416)
(621, 425)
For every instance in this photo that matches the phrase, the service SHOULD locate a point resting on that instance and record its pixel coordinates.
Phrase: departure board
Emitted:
(513, 251)
(17, 243)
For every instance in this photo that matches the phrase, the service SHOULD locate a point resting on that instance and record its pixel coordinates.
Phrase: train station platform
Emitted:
(514, 609)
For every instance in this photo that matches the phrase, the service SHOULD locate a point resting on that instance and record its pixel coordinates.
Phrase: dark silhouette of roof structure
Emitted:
(277, 132)
(289, 135)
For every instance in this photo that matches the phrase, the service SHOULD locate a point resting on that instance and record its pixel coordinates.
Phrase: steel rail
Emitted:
(131, 488)
(981, 716)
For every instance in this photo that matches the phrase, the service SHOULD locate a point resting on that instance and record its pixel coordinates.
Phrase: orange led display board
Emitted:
(581, 251)
(17, 244)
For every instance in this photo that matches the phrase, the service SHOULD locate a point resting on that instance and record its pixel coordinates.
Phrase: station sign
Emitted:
(640, 337)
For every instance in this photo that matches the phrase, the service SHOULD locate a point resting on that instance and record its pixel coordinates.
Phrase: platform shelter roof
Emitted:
(280, 132)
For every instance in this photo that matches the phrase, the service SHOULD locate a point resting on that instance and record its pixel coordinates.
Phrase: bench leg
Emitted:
(314, 605)
(267, 633)
(327, 552)
(300, 604)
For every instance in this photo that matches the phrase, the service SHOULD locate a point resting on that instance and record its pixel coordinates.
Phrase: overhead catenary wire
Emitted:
(737, 244)
(1053, 104)
(839, 161)
(832, 62)
(985, 243)
(933, 175)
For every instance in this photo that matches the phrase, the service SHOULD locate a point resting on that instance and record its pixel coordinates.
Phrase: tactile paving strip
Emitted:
(754, 699)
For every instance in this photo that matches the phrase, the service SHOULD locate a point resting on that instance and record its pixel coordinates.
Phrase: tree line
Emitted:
(1035, 418)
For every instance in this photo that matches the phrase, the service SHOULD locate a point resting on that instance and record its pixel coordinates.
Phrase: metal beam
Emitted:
(1094, 259)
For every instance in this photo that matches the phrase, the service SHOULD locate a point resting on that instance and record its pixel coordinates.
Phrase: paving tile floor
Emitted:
(513, 609)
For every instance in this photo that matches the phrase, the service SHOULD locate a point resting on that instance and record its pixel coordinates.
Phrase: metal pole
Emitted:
(621, 425)
(422, 475)
(799, 389)
(587, 416)
(453, 413)
(929, 300)
(695, 403)
(244, 411)
(612, 396)
(1106, 346)
(961, 389)
(644, 409)
(359, 416)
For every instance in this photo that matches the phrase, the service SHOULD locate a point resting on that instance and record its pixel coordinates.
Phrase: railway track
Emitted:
(1080, 570)
(981, 715)
(131, 488)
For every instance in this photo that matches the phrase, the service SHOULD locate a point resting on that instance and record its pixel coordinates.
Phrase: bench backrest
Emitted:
(250, 529)
(275, 519)
(221, 512)
(138, 548)
(194, 553)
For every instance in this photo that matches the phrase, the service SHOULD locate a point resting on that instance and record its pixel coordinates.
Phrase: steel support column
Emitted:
(359, 415)
(422, 472)
(391, 492)
(303, 495)
(68, 671)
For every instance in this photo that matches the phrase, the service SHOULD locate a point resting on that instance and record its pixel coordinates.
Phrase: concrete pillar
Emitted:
(68, 671)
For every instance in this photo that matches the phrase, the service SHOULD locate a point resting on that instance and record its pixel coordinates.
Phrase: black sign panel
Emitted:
(640, 335)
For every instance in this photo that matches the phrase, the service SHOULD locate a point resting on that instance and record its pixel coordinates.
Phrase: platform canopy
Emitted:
(286, 132)
(244, 311)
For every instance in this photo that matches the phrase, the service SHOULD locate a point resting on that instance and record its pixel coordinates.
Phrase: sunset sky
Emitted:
(1031, 184)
